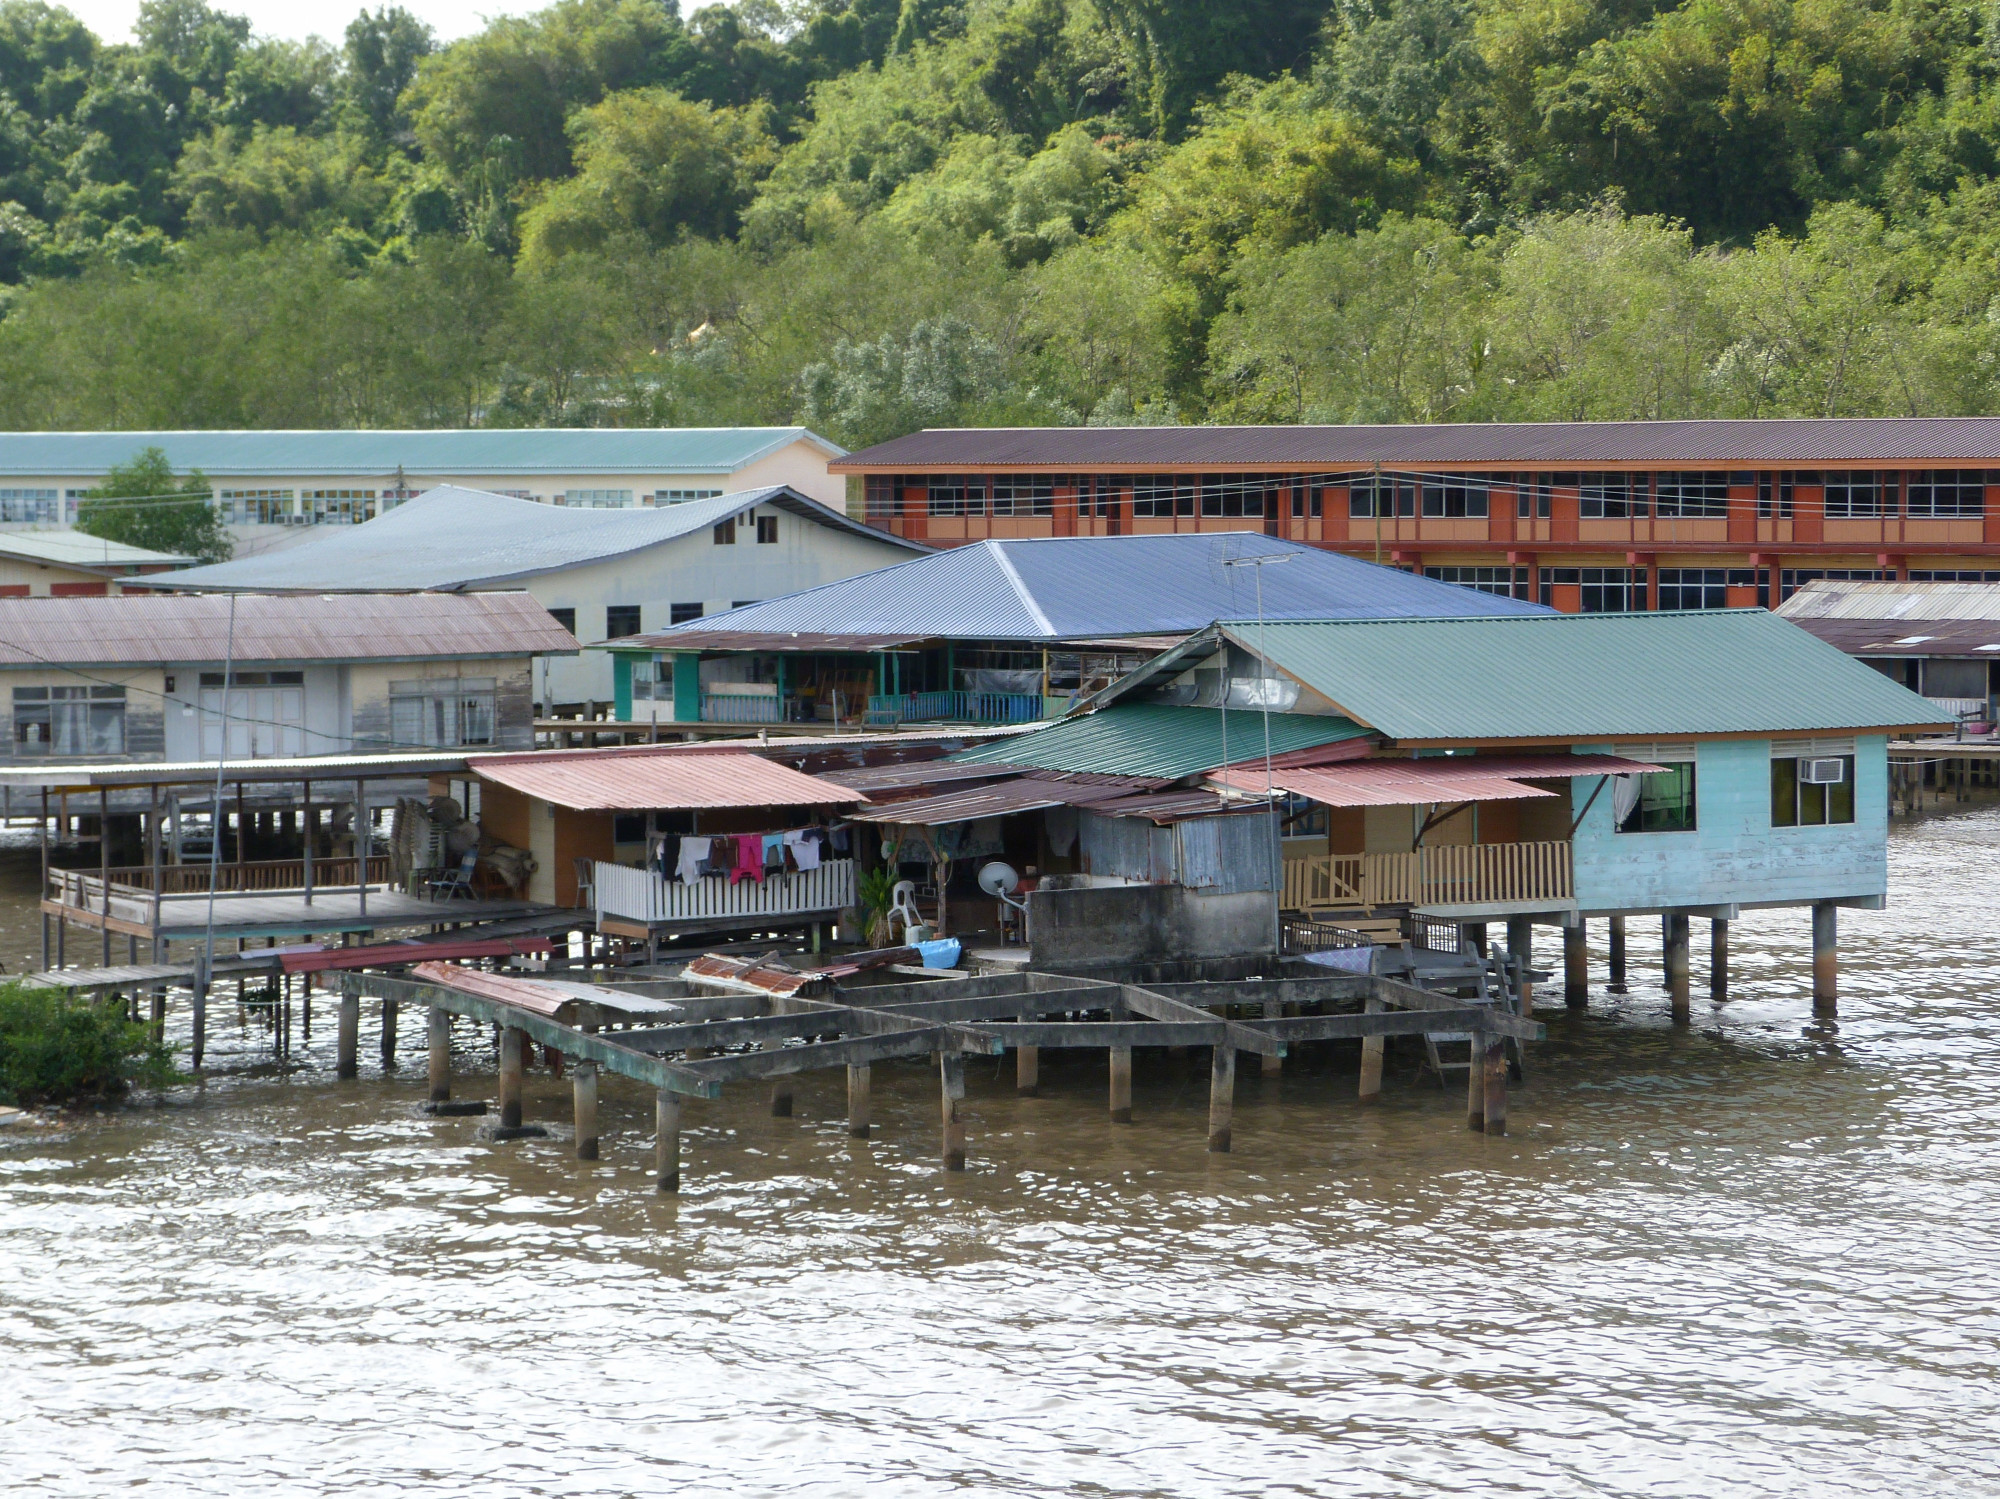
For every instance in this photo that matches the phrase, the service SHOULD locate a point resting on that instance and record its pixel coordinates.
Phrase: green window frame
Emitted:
(1665, 802)
(1799, 803)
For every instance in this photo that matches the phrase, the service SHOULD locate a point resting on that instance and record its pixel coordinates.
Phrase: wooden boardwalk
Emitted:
(287, 913)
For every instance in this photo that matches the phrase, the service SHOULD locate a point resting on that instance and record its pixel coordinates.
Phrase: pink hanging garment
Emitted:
(749, 858)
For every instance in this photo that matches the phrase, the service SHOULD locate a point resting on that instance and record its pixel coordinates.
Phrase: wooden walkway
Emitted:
(287, 913)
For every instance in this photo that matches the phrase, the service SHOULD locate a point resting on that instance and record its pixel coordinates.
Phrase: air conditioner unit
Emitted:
(1823, 772)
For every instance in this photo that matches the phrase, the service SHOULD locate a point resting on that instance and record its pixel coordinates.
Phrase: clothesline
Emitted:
(691, 857)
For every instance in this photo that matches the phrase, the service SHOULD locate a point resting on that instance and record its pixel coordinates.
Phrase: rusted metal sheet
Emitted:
(592, 782)
(382, 955)
(752, 976)
(1024, 795)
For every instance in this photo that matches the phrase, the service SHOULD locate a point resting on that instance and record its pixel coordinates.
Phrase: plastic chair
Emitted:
(903, 906)
(455, 881)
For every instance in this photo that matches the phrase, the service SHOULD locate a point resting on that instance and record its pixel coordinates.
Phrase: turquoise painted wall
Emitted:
(1734, 856)
(687, 687)
(621, 687)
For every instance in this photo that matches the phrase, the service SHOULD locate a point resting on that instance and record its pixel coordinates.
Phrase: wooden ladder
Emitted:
(1495, 991)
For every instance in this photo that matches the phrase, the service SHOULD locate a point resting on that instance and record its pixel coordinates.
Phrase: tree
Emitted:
(135, 504)
(383, 49)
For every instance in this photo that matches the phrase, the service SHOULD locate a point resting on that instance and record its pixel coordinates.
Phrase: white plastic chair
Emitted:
(903, 906)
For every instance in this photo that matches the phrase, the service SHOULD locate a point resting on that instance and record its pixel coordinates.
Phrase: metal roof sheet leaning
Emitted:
(1153, 739)
(144, 629)
(67, 548)
(1570, 677)
(379, 454)
(453, 538)
(1782, 442)
(597, 783)
(1081, 588)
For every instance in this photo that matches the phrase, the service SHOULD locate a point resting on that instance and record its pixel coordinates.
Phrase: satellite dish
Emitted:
(999, 880)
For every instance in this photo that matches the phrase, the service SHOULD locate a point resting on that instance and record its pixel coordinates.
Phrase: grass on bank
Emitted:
(56, 1047)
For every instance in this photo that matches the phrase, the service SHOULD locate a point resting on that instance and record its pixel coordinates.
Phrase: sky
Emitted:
(112, 19)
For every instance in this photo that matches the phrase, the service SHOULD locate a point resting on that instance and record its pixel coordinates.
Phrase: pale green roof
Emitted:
(1155, 739)
(1587, 676)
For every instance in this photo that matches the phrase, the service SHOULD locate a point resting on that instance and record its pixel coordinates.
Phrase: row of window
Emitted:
(621, 621)
(1806, 791)
(1624, 590)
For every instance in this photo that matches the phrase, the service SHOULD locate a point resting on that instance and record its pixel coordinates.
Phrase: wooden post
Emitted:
(1617, 982)
(1027, 1070)
(859, 1082)
(513, 1061)
(583, 1090)
(1494, 1064)
(1221, 1097)
(1475, 1082)
(198, 1012)
(1826, 958)
(951, 1076)
(667, 1140)
(1521, 946)
(1576, 965)
(1372, 1048)
(1121, 1084)
(439, 1036)
(1273, 1066)
(1675, 942)
(390, 1010)
(306, 841)
(347, 1044)
(1718, 959)
(104, 865)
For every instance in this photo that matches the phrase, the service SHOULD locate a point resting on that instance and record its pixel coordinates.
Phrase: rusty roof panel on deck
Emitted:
(660, 782)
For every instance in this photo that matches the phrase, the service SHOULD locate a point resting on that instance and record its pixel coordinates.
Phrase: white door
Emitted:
(263, 722)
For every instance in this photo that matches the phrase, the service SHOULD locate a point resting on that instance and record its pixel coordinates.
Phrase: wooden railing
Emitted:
(261, 874)
(641, 895)
(955, 707)
(1457, 874)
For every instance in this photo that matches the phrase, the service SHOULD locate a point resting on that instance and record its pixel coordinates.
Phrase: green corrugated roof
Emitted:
(1152, 739)
(1575, 676)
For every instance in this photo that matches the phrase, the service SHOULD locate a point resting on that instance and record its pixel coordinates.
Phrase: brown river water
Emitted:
(1753, 1257)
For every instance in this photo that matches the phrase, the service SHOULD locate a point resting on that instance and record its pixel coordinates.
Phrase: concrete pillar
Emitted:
(1221, 1097)
(583, 1090)
(1475, 933)
(1027, 1070)
(198, 1042)
(1521, 945)
(1121, 1084)
(1273, 1066)
(438, 1034)
(347, 1042)
(1494, 1064)
(1576, 965)
(781, 1087)
(389, 1012)
(513, 1073)
(1475, 1083)
(1674, 944)
(159, 1016)
(951, 1079)
(1826, 958)
(1718, 959)
(667, 1141)
(1372, 1048)
(859, 1081)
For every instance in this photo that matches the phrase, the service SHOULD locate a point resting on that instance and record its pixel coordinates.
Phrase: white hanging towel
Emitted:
(804, 847)
(693, 851)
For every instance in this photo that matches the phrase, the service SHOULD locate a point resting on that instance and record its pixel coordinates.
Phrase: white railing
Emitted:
(1443, 875)
(640, 895)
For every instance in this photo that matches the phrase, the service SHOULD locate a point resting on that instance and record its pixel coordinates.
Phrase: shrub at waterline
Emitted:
(55, 1048)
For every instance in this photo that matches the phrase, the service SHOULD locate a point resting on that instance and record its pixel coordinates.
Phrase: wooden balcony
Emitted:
(638, 902)
(1475, 874)
(260, 874)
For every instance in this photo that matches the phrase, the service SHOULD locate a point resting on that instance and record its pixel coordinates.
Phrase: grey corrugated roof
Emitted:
(1586, 676)
(378, 454)
(187, 630)
(1780, 443)
(1059, 588)
(450, 538)
(1838, 598)
(76, 549)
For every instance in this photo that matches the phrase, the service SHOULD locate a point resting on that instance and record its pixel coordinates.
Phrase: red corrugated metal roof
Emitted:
(615, 784)
(1402, 783)
(188, 628)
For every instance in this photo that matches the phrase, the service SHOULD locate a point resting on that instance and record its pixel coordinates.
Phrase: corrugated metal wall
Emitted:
(1225, 855)
(1129, 848)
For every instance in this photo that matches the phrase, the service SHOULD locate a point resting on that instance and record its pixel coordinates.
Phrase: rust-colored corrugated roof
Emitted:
(600, 783)
(1979, 639)
(1779, 443)
(1402, 783)
(175, 629)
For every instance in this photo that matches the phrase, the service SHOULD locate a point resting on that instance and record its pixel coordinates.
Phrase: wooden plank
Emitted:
(1002, 1006)
(1157, 1006)
(1082, 1035)
(851, 1051)
(1391, 1023)
(1409, 997)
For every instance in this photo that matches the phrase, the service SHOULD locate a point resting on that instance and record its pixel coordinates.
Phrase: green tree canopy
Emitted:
(138, 504)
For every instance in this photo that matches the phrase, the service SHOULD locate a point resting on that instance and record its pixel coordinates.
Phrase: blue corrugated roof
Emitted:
(465, 538)
(1156, 739)
(378, 454)
(1082, 587)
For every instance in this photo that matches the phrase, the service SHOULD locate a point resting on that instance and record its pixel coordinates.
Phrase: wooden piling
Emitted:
(1121, 1084)
(859, 1082)
(1718, 959)
(438, 1034)
(667, 1140)
(1475, 1082)
(1494, 1065)
(1372, 1049)
(1826, 958)
(1521, 945)
(513, 1049)
(1616, 984)
(390, 1009)
(1221, 1098)
(347, 1042)
(1027, 1070)
(1274, 1066)
(1576, 965)
(951, 1077)
(583, 1093)
(781, 1088)
(1674, 944)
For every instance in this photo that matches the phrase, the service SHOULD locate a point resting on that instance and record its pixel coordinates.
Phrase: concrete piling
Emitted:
(513, 1073)
(1674, 943)
(1494, 1064)
(1121, 1084)
(951, 1091)
(1273, 1066)
(1826, 958)
(347, 1038)
(667, 1140)
(1221, 1098)
(438, 1036)
(583, 1091)
(1616, 980)
(1475, 1083)
(1027, 1070)
(859, 1083)
(389, 1012)
(1372, 1048)
(1718, 959)
(1576, 965)
(1521, 946)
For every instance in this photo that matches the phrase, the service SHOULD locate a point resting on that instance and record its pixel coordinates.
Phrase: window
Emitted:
(1810, 791)
(442, 712)
(767, 530)
(1932, 575)
(28, 504)
(263, 713)
(725, 532)
(1456, 496)
(1859, 495)
(743, 603)
(1611, 496)
(954, 494)
(675, 496)
(620, 620)
(1159, 496)
(1106, 489)
(1307, 500)
(1605, 590)
(1694, 587)
(1506, 582)
(69, 720)
(1532, 494)
(337, 506)
(1230, 496)
(1370, 497)
(600, 499)
(884, 496)
(257, 507)
(564, 617)
(1703, 495)
(646, 678)
(1656, 802)
(1033, 494)
(680, 614)
(1948, 492)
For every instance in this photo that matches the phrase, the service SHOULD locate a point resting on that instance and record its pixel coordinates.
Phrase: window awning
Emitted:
(1400, 783)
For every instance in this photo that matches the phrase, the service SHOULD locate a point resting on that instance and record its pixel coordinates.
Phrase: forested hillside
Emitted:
(873, 215)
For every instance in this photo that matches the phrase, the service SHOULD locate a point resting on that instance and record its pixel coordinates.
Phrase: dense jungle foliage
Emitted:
(872, 215)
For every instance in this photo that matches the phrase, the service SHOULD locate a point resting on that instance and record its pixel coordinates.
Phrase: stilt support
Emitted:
(667, 1141)
(438, 1035)
(1718, 959)
(1521, 946)
(1494, 1064)
(583, 1085)
(1221, 1098)
(389, 1012)
(951, 1078)
(1826, 958)
(781, 1089)
(347, 1041)
(1274, 1066)
(1121, 1085)
(1617, 978)
(1674, 940)
(1576, 965)
(513, 1067)
(1475, 1083)
(1372, 1048)
(1027, 1070)
(859, 1081)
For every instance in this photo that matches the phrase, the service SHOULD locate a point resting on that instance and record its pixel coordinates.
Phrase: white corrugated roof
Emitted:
(68, 548)
(1840, 599)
